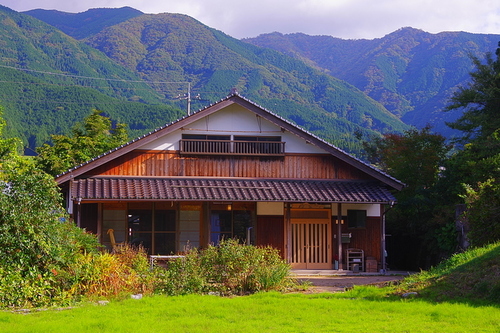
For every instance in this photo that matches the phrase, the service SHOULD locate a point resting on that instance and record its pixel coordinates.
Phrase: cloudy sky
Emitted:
(338, 18)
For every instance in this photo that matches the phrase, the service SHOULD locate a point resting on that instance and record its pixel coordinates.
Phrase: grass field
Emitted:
(263, 312)
(462, 294)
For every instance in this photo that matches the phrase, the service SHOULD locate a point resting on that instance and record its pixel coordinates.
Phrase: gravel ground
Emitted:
(340, 283)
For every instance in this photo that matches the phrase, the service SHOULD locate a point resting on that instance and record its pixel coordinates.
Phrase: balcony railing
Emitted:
(227, 147)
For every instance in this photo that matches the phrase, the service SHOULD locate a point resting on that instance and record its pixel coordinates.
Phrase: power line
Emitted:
(188, 95)
(94, 78)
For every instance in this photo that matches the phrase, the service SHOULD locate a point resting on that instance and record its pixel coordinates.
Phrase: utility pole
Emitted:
(189, 99)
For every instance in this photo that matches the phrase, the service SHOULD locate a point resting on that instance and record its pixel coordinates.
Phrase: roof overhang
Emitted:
(229, 189)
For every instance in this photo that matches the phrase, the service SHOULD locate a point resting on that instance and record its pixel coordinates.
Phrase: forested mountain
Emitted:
(169, 51)
(411, 72)
(37, 104)
(81, 25)
(176, 47)
(305, 79)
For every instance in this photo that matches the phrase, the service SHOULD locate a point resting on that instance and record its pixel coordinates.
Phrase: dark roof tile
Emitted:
(205, 189)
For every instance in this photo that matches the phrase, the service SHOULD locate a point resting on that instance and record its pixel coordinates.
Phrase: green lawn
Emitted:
(265, 312)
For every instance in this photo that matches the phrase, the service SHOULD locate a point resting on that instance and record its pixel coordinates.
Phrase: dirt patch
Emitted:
(321, 284)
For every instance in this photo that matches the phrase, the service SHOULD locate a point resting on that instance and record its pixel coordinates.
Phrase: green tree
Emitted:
(413, 157)
(475, 169)
(418, 220)
(483, 212)
(479, 100)
(88, 139)
(37, 240)
(8, 147)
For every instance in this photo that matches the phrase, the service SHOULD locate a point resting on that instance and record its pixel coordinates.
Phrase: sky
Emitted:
(347, 19)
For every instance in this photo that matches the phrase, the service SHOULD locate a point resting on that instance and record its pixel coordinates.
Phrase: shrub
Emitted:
(182, 276)
(37, 240)
(229, 268)
(111, 275)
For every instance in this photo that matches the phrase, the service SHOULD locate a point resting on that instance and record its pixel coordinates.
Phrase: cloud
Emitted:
(338, 18)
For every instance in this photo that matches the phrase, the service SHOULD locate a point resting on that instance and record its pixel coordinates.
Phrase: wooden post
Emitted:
(382, 240)
(339, 235)
(79, 212)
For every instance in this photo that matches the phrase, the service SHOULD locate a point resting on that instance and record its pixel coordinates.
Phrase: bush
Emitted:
(182, 276)
(229, 268)
(37, 240)
(111, 275)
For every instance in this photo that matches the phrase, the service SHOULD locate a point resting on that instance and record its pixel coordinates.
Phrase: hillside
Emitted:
(37, 103)
(176, 49)
(411, 72)
(81, 25)
(472, 277)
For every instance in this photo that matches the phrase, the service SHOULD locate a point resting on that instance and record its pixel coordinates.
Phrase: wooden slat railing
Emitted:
(227, 147)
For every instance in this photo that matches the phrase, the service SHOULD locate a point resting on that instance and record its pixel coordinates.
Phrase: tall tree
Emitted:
(8, 146)
(417, 222)
(477, 166)
(37, 240)
(413, 157)
(480, 100)
(88, 139)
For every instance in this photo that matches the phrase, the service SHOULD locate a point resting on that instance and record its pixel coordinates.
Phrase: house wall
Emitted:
(371, 209)
(270, 227)
(270, 232)
(366, 239)
(171, 163)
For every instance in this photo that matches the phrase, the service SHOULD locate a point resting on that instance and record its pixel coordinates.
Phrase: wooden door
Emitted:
(311, 239)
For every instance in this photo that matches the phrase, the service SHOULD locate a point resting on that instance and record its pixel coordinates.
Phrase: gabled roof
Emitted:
(212, 108)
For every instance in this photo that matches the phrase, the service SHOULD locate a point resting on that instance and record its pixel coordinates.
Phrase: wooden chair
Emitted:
(111, 233)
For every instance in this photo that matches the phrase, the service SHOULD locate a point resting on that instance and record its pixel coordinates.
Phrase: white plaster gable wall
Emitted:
(234, 120)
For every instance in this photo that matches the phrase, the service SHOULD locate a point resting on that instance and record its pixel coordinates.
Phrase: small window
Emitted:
(205, 137)
(257, 138)
(356, 218)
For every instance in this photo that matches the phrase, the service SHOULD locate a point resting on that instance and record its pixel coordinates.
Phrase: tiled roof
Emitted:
(216, 189)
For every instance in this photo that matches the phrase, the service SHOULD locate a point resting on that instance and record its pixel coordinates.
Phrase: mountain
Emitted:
(411, 72)
(176, 47)
(81, 25)
(48, 81)
(172, 50)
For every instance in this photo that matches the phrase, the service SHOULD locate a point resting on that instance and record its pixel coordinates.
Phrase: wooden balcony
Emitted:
(228, 147)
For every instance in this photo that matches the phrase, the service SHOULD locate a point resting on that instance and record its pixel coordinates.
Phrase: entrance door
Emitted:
(311, 239)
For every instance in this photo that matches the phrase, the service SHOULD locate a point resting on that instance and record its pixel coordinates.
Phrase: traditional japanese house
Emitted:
(235, 169)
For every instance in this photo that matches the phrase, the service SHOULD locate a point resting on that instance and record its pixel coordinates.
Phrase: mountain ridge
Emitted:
(342, 90)
(178, 48)
(411, 72)
(94, 19)
(49, 81)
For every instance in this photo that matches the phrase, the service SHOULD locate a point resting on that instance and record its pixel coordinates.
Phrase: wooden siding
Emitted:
(169, 163)
(366, 239)
(270, 232)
